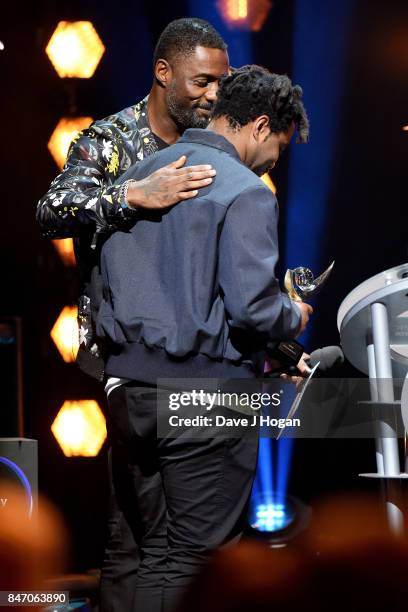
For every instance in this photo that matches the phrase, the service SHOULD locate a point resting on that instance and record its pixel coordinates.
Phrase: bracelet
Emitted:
(123, 193)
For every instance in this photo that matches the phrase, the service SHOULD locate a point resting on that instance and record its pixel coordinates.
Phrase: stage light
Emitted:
(64, 133)
(65, 333)
(75, 49)
(244, 14)
(405, 128)
(271, 517)
(277, 518)
(80, 428)
(269, 182)
(1, 46)
(237, 9)
(65, 249)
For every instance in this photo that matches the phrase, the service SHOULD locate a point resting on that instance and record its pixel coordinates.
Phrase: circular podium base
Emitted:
(402, 476)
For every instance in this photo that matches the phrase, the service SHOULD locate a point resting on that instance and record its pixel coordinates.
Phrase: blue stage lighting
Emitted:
(268, 514)
(284, 463)
(270, 517)
(276, 520)
(264, 480)
(310, 180)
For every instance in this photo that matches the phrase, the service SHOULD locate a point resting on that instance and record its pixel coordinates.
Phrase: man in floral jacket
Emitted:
(83, 202)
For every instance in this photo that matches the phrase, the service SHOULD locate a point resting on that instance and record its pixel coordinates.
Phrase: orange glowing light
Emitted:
(245, 14)
(65, 249)
(80, 428)
(75, 49)
(65, 333)
(237, 9)
(64, 133)
(269, 182)
(405, 128)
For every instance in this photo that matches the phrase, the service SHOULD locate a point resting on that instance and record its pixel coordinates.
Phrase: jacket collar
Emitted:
(146, 142)
(210, 139)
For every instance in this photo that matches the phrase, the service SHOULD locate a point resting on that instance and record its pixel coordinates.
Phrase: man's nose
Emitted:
(211, 93)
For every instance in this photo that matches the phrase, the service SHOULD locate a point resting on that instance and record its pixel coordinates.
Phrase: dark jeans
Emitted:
(180, 498)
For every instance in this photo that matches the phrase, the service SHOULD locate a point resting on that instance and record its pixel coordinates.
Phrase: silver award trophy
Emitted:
(300, 283)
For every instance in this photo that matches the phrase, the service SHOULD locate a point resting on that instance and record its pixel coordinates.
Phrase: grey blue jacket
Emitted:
(191, 291)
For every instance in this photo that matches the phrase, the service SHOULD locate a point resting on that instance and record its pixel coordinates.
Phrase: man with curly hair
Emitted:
(192, 293)
(87, 201)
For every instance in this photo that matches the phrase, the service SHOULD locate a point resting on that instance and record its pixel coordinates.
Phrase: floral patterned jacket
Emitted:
(82, 202)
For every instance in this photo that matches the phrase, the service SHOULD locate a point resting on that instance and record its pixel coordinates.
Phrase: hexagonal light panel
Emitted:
(75, 49)
(65, 333)
(80, 428)
(244, 14)
(66, 130)
(65, 249)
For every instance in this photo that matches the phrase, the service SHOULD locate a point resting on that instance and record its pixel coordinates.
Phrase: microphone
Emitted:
(327, 357)
(322, 359)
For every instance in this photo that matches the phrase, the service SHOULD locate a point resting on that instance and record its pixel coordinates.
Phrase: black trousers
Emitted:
(121, 557)
(179, 498)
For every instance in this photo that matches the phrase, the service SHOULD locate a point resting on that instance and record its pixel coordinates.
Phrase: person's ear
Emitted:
(261, 129)
(162, 72)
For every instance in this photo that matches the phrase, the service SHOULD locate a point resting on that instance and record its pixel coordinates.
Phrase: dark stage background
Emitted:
(365, 227)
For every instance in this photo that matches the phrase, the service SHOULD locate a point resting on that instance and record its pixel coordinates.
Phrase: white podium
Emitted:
(373, 325)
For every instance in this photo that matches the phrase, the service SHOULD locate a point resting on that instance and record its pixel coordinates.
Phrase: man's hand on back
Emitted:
(169, 185)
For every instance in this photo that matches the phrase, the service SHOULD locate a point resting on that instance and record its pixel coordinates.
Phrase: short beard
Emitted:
(184, 117)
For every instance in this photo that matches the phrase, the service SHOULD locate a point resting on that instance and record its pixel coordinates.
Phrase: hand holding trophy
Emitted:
(300, 284)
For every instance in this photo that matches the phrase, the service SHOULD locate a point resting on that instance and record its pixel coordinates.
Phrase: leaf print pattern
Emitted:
(83, 332)
(82, 202)
(113, 165)
(107, 149)
(91, 203)
(97, 157)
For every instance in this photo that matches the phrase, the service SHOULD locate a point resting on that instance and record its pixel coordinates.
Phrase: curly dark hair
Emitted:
(252, 91)
(182, 36)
